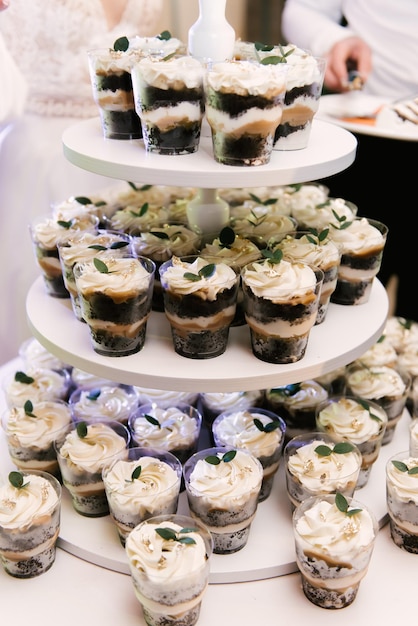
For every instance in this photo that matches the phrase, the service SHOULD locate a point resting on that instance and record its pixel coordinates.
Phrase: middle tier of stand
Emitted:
(346, 333)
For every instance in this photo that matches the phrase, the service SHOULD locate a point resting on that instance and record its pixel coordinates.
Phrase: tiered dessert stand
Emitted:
(346, 333)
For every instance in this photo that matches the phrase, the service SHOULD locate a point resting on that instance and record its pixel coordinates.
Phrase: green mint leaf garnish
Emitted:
(227, 237)
(100, 266)
(165, 35)
(81, 429)
(83, 200)
(339, 448)
(136, 473)
(366, 406)
(28, 408)
(65, 224)
(342, 505)
(286, 391)
(16, 479)
(21, 377)
(213, 459)
(402, 467)
(266, 202)
(152, 420)
(205, 272)
(159, 234)
(266, 428)
(121, 44)
(169, 535)
(272, 257)
(93, 394)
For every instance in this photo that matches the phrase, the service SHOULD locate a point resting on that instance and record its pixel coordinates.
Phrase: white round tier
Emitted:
(331, 149)
(346, 333)
(270, 548)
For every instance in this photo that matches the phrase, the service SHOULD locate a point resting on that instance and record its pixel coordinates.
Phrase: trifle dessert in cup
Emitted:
(334, 541)
(30, 515)
(234, 250)
(31, 431)
(83, 451)
(315, 248)
(115, 298)
(262, 225)
(319, 216)
(111, 82)
(36, 384)
(170, 101)
(296, 403)
(361, 242)
(145, 484)
(200, 299)
(281, 300)
(112, 401)
(386, 386)
(175, 428)
(223, 486)
(84, 247)
(359, 421)
(402, 500)
(134, 219)
(47, 232)
(304, 81)
(169, 561)
(159, 244)
(213, 403)
(319, 464)
(257, 431)
(244, 104)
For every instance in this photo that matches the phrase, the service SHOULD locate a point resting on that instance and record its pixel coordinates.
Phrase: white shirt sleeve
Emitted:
(313, 25)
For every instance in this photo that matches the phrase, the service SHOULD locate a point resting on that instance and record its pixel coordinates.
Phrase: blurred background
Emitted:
(253, 20)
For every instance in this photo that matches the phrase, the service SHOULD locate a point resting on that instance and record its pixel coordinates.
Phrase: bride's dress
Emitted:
(49, 40)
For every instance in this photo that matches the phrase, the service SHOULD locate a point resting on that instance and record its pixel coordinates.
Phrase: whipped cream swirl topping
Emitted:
(309, 249)
(351, 419)
(169, 428)
(359, 237)
(134, 219)
(278, 282)
(223, 401)
(299, 396)
(161, 243)
(239, 253)
(150, 489)
(114, 402)
(245, 78)
(174, 73)
(92, 452)
(232, 480)
(402, 475)
(328, 531)
(38, 427)
(164, 397)
(27, 505)
(55, 230)
(124, 276)
(156, 45)
(330, 472)
(174, 278)
(238, 429)
(319, 216)
(162, 561)
(262, 222)
(376, 382)
(86, 246)
(36, 355)
(37, 385)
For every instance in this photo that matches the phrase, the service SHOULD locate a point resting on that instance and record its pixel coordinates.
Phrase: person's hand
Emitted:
(353, 52)
(4, 4)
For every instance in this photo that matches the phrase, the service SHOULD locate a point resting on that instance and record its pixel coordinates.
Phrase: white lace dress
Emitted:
(49, 40)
